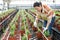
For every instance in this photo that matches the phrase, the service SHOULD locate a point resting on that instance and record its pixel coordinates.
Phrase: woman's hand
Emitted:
(35, 24)
(45, 28)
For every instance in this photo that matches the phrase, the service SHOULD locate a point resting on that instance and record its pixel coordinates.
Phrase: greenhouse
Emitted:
(29, 19)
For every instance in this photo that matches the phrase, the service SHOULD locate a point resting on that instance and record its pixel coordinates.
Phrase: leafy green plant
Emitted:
(27, 32)
(24, 37)
(39, 24)
(59, 22)
(4, 14)
(47, 33)
(22, 28)
(57, 12)
(12, 29)
(12, 33)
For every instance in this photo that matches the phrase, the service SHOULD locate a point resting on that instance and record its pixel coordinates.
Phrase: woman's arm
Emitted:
(49, 18)
(50, 14)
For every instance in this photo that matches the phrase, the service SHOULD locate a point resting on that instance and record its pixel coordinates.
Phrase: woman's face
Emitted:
(38, 8)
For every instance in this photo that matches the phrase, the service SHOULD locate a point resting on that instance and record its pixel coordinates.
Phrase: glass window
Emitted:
(58, 1)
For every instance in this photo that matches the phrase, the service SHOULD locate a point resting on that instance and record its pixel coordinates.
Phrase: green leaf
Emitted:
(47, 33)
(24, 37)
(12, 29)
(12, 33)
(22, 28)
(39, 24)
(27, 31)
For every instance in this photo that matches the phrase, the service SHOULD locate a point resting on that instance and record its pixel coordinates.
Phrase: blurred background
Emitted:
(24, 4)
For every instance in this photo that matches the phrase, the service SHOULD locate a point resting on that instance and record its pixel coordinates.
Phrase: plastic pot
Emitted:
(31, 23)
(39, 35)
(49, 38)
(15, 32)
(22, 32)
(11, 38)
(34, 29)
(58, 27)
(16, 37)
(55, 24)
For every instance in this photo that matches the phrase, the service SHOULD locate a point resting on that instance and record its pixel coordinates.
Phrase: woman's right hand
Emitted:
(35, 24)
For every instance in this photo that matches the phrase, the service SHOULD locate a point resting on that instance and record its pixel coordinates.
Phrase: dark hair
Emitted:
(37, 4)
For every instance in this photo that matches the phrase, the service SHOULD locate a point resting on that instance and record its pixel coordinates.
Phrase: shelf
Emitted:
(56, 30)
(56, 34)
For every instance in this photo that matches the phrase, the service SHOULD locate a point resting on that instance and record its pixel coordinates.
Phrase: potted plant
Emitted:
(24, 37)
(15, 32)
(47, 34)
(58, 25)
(12, 29)
(22, 31)
(11, 37)
(28, 34)
(39, 24)
(31, 24)
(39, 34)
(16, 24)
(28, 20)
(34, 28)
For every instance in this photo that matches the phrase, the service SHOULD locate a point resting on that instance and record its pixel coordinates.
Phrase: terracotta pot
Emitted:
(58, 27)
(11, 38)
(16, 37)
(16, 24)
(55, 25)
(22, 32)
(15, 32)
(49, 38)
(39, 35)
(31, 23)
(34, 29)
(44, 38)
(29, 36)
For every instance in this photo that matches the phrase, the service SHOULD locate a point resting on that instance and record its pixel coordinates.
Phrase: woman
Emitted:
(45, 13)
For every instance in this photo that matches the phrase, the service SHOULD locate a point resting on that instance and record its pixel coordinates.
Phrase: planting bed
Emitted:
(20, 26)
(6, 21)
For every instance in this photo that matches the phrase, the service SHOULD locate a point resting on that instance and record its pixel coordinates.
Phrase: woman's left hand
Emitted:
(45, 28)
